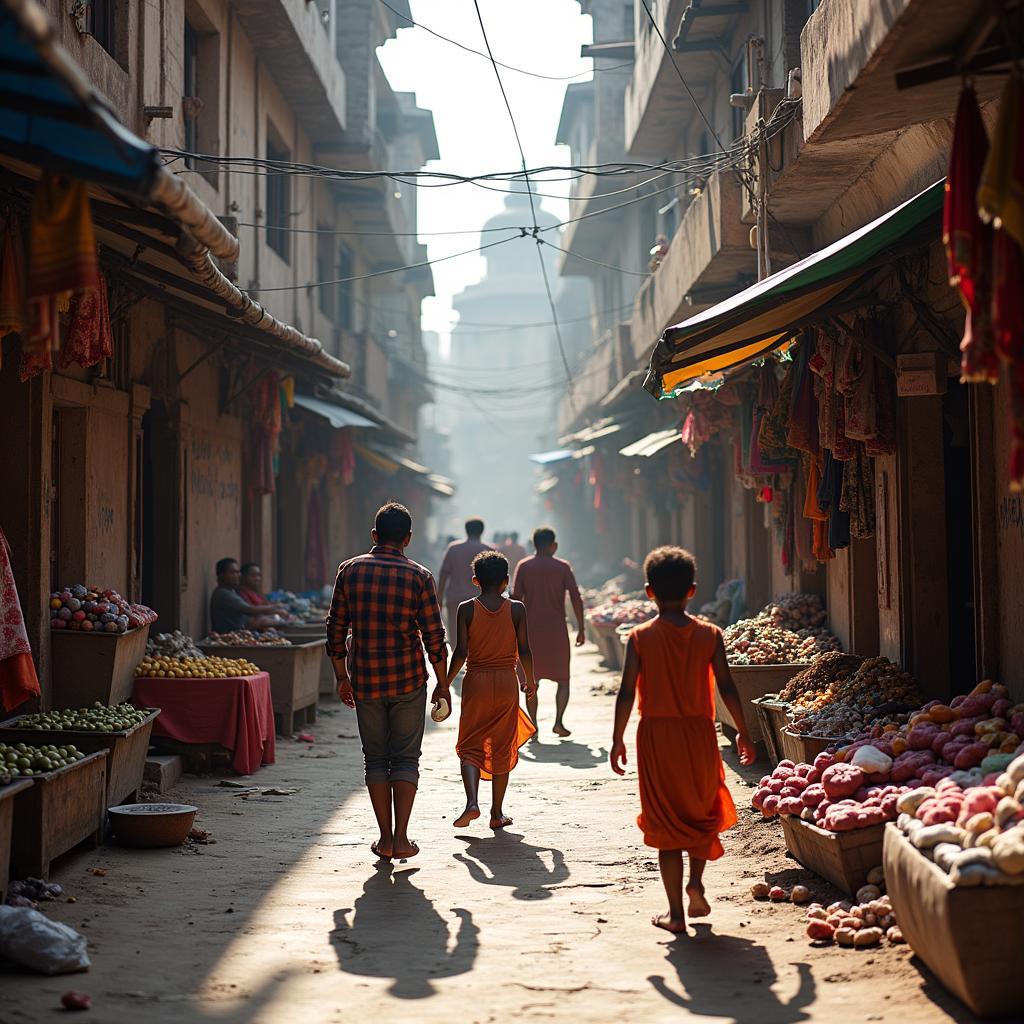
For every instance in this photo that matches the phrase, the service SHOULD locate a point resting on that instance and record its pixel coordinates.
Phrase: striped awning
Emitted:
(768, 314)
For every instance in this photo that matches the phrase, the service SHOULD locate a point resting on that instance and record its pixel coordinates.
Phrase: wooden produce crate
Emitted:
(772, 716)
(805, 748)
(843, 858)
(7, 795)
(294, 671)
(610, 646)
(59, 811)
(753, 681)
(90, 667)
(125, 749)
(966, 936)
(304, 631)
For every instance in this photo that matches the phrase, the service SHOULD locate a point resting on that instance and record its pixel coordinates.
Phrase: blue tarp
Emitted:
(44, 122)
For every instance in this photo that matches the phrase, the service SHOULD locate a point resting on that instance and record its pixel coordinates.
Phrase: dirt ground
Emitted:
(286, 917)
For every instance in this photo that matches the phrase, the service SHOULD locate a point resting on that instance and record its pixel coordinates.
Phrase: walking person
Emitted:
(492, 636)
(541, 582)
(514, 552)
(455, 584)
(673, 662)
(384, 613)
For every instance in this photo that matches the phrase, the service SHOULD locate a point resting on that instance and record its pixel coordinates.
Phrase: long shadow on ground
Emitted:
(507, 861)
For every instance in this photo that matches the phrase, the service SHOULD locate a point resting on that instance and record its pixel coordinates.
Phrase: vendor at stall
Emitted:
(229, 609)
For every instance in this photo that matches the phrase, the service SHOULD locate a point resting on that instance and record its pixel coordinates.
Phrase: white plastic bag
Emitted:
(30, 938)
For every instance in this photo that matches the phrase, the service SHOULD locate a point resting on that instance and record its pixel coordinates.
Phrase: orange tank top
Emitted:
(492, 638)
(676, 679)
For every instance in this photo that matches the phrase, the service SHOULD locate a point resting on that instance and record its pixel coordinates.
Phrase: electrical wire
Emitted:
(509, 67)
(587, 259)
(533, 211)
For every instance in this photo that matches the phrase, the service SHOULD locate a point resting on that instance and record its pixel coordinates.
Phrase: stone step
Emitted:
(164, 770)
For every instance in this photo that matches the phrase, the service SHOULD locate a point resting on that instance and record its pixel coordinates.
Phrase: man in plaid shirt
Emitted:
(384, 613)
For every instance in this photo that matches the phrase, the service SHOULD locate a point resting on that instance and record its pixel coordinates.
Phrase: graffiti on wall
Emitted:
(215, 472)
(1011, 515)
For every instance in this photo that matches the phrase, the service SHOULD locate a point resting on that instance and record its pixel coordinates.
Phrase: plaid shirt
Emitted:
(389, 604)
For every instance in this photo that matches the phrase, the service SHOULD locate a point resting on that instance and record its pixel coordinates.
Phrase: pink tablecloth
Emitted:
(237, 713)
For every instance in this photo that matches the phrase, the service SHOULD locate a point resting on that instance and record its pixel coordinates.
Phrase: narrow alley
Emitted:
(286, 917)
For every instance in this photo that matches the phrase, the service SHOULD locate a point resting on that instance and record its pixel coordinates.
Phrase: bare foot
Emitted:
(500, 821)
(405, 850)
(699, 906)
(560, 730)
(468, 815)
(382, 848)
(675, 925)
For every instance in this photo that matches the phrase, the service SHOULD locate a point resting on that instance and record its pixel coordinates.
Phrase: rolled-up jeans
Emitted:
(391, 731)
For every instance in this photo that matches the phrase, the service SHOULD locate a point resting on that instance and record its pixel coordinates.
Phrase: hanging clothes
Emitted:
(830, 492)
(90, 338)
(12, 280)
(814, 511)
(856, 383)
(803, 533)
(858, 494)
(803, 410)
(968, 241)
(342, 459)
(18, 679)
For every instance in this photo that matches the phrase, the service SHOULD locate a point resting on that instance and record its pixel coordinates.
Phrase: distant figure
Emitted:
(230, 611)
(492, 637)
(541, 583)
(388, 604)
(674, 661)
(456, 582)
(252, 584)
(658, 252)
(514, 552)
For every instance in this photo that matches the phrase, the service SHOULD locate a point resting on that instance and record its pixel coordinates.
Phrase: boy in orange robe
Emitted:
(673, 661)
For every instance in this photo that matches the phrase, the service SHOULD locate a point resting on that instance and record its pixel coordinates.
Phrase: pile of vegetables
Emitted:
(98, 718)
(973, 832)
(246, 638)
(20, 759)
(172, 645)
(94, 610)
(877, 691)
(789, 631)
(797, 611)
(162, 667)
(623, 611)
(856, 925)
(830, 794)
(816, 680)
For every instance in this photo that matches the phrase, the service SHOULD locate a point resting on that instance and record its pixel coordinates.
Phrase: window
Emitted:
(346, 265)
(740, 83)
(278, 197)
(102, 23)
(191, 92)
(200, 101)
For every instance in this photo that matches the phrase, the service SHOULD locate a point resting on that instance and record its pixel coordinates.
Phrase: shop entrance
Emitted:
(164, 567)
(67, 497)
(956, 434)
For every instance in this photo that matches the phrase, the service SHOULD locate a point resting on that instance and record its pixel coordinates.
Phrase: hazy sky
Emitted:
(473, 129)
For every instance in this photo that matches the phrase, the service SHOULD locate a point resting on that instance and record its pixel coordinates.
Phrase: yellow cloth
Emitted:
(1001, 192)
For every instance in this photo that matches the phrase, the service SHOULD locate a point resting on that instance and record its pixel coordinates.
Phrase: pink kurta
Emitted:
(541, 583)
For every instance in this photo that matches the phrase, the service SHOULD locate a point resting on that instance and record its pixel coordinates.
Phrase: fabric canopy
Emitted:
(763, 317)
(43, 117)
(336, 415)
(652, 443)
(441, 485)
(547, 484)
(561, 455)
(603, 428)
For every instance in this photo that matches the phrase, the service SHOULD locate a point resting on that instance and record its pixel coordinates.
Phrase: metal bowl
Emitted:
(152, 824)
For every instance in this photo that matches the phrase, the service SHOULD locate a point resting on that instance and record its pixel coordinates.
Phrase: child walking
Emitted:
(491, 633)
(673, 661)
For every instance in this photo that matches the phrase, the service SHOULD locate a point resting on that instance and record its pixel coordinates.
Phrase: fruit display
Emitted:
(246, 638)
(790, 631)
(162, 667)
(18, 760)
(95, 610)
(796, 612)
(98, 718)
(876, 693)
(173, 645)
(627, 610)
(972, 831)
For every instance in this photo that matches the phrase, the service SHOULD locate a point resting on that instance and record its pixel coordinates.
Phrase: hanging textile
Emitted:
(856, 383)
(803, 410)
(814, 511)
(89, 338)
(12, 280)
(18, 680)
(858, 494)
(968, 241)
(264, 433)
(342, 459)
(830, 492)
(775, 425)
(803, 533)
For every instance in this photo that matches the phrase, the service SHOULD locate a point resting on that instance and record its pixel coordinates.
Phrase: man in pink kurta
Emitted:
(456, 582)
(541, 583)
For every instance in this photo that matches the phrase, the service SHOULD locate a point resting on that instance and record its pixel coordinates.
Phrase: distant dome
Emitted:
(517, 212)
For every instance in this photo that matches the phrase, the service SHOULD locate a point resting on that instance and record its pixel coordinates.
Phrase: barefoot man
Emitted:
(455, 584)
(541, 583)
(384, 613)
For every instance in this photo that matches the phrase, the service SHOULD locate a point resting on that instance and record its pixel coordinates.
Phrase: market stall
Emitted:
(211, 700)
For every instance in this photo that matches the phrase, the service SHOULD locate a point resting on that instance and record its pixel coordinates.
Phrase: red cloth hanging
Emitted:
(90, 339)
(18, 679)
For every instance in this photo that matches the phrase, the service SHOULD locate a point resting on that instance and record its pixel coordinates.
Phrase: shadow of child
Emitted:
(567, 753)
(396, 933)
(507, 861)
(727, 977)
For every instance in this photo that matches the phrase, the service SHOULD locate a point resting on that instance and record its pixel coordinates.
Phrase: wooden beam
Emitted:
(983, 62)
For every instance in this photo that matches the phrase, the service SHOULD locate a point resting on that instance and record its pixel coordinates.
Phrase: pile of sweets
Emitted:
(246, 638)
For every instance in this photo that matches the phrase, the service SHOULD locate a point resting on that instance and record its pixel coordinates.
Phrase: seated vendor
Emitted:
(252, 584)
(230, 611)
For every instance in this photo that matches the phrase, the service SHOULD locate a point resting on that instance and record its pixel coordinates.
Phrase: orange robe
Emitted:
(492, 725)
(684, 801)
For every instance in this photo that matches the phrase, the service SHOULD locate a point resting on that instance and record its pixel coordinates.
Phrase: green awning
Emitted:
(764, 316)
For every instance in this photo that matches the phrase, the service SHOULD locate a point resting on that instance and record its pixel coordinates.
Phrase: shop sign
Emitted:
(920, 373)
